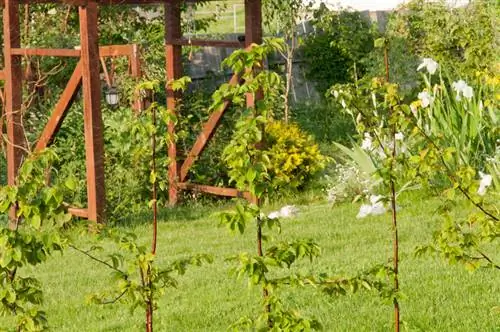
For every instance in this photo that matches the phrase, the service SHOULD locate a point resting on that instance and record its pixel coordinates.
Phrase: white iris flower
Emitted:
(425, 98)
(462, 89)
(429, 64)
(485, 182)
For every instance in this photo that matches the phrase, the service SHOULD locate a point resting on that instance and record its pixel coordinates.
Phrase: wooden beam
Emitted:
(62, 107)
(206, 134)
(116, 50)
(173, 54)
(104, 51)
(94, 140)
(219, 191)
(60, 52)
(13, 95)
(106, 2)
(78, 212)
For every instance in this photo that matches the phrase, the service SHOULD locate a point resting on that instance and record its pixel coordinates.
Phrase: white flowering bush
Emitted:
(348, 183)
(375, 207)
(287, 211)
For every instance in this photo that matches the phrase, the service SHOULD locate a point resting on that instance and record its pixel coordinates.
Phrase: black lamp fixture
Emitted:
(112, 96)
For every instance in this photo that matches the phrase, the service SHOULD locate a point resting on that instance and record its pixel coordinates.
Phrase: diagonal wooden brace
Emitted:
(61, 109)
(208, 130)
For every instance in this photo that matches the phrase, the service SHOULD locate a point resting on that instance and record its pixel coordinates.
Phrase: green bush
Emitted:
(209, 168)
(336, 53)
(294, 156)
(462, 39)
(325, 121)
(128, 152)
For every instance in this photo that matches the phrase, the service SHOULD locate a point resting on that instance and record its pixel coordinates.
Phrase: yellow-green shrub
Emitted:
(294, 156)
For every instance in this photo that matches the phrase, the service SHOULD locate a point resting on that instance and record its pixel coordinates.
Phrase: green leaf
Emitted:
(6, 258)
(71, 183)
(36, 221)
(380, 42)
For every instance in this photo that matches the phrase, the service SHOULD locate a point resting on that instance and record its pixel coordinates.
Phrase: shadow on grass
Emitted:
(192, 211)
(186, 212)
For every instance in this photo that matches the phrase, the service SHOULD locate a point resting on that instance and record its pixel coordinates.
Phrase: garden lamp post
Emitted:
(112, 96)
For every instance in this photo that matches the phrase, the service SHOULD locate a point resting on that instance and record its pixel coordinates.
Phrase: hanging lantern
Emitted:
(112, 96)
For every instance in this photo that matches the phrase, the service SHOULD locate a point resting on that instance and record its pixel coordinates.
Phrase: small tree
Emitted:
(40, 218)
(281, 17)
(140, 282)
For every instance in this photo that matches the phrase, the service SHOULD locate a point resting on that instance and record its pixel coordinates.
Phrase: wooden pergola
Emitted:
(87, 75)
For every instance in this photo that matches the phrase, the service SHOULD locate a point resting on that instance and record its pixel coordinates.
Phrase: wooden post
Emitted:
(253, 22)
(173, 54)
(253, 34)
(13, 95)
(94, 140)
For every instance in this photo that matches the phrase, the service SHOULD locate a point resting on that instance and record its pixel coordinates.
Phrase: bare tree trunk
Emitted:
(64, 24)
(149, 316)
(290, 50)
(355, 68)
(386, 62)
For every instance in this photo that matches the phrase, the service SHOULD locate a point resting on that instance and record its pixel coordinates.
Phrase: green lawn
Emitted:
(232, 16)
(439, 297)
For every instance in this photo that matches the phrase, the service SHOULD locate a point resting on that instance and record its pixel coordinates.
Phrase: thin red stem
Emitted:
(260, 252)
(149, 302)
(395, 238)
(155, 204)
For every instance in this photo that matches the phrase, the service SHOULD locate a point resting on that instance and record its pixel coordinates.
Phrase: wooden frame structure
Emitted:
(87, 75)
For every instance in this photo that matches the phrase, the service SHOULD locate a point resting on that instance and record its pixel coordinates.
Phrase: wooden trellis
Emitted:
(87, 75)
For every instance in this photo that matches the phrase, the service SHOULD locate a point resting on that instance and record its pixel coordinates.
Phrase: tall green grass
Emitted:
(438, 297)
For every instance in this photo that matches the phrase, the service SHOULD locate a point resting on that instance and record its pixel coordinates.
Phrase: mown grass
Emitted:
(438, 297)
(229, 10)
